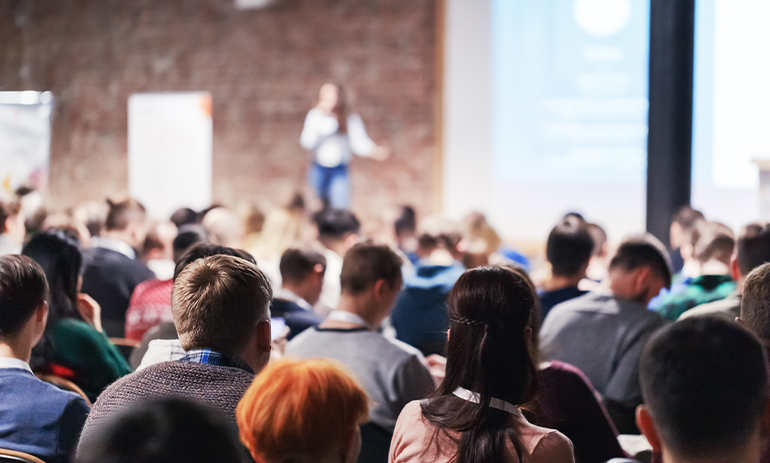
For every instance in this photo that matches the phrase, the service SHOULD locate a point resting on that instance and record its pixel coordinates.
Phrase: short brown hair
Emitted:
(217, 301)
(753, 247)
(755, 303)
(23, 288)
(367, 262)
(123, 212)
(8, 208)
(298, 262)
(643, 251)
(716, 241)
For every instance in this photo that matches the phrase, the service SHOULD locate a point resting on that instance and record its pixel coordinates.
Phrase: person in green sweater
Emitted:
(73, 345)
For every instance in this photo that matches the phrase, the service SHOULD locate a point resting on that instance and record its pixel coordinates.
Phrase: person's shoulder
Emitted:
(79, 329)
(550, 446)
(40, 393)
(727, 308)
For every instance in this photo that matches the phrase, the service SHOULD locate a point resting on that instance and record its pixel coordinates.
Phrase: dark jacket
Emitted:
(297, 318)
(110, 278)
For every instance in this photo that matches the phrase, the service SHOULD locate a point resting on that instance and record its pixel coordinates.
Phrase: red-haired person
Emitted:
(303, 411)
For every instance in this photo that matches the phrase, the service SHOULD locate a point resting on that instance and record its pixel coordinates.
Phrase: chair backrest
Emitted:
(12, 456)
(125, 346)
(65, 384)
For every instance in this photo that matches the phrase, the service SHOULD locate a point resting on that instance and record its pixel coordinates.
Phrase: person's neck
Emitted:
(691, 268)
(358, 306)
(15, 350)
(334, 244)
(557, 282)
(294, 288)
(118, 235)
(714, 267)
(437, 257)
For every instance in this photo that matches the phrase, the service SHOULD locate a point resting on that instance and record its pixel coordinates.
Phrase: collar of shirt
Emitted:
(8, 362)
(114, 245)
(287, 295)
(211, 357)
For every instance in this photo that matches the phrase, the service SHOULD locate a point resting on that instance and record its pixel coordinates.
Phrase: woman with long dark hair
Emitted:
(474, 416)
(71, 347)
(333, 134)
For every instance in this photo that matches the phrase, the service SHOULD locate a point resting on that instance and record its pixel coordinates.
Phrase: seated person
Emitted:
(12, 229)
(713, 252)
(35, 417)
(151, 302)
(420, 317)
(221, 311)
(73, 345)
(569, 249)
(705, 388)
(602, 333)
(284, 416)
(752, 249)
(302, 278)
(392, 372)
(165, 430)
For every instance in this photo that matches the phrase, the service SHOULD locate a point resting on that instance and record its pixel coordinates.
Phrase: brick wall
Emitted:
(263, 68)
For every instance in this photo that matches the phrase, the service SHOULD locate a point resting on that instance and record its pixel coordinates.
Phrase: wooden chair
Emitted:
(12, 456)
(125, 346)
(65, 384)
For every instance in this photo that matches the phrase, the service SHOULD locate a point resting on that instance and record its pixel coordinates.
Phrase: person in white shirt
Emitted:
(332, 136)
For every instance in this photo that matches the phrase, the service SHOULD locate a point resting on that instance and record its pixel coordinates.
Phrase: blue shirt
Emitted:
(211, 357)
(420, 315)
(39, 418)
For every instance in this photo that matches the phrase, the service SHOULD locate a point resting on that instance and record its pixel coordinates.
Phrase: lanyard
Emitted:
(349, 317)
(499, 404)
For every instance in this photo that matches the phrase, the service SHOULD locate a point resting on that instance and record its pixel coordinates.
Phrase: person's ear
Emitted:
(264, 337)
(528, 335)
(644, 422)
(447, 334)
(380, 288)
(319, 270)
(41, 313)
(351, 446)
(351, 240)
(641, 278)
(734, 269)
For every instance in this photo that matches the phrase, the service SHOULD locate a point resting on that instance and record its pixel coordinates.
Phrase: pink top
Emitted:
(413, 434)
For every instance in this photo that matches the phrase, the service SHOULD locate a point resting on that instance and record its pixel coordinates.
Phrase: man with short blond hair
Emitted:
(221, 312)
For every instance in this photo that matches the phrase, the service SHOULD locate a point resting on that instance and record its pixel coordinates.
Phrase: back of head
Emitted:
(282, 228)
(22, 289)
(599, 236)
(217, 302)
(704, 382)
(299, 261)
(753, 247)
(569, 247)
(487, 353)
(643, 251)
(406, 223)
(92, 214)
(122, 213)
(686, 217)
(204, 249)
(184, 216)
(224, 226)
(168, 430)
(367, 262)
(58, 254)
(755, 303)
(336, 223)
(438, 232)
(285, 414)
(716, 242)
(9, 207)
(188, 236)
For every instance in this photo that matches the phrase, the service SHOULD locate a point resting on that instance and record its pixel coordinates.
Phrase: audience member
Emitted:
(35, 417)
(111, 270)
(12, 229)
(682, 225)
(284, 415)
(405, 229)
(161, 343)
(184, 216)
(150, 304)
(302, 277)
(755, 303)
(93, 214)
(158, 249)
(221, 311)
(484, 245)
(224, 226)
(253, 220)
(283, 227)
(392, 372)
(602, 334)
(474, 415)
(420, 317)
(164, 430)
(597, 266)
(713, 281)
(73, 345)
(569, 249)
(705, 386)
(337, 231)
(752, 249)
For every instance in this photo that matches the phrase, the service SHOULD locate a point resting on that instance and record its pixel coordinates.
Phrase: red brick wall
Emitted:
(263, 68)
